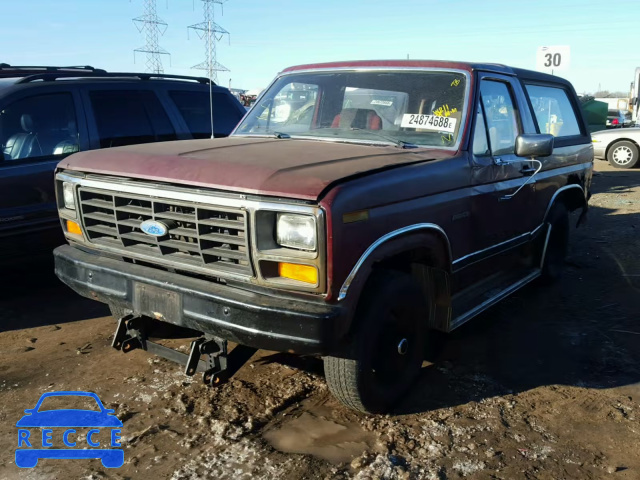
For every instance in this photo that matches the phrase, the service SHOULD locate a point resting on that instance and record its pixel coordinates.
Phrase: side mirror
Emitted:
(531, 146)
(534, 145)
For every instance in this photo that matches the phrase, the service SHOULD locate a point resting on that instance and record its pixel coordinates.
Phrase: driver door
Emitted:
(497, 172)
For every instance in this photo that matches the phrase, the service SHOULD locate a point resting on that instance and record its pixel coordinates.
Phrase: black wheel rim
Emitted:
(394, 349)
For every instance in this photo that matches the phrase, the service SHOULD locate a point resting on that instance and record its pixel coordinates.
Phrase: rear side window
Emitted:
(39, 126)
(194, 108)
(553, 111)
(130, 117)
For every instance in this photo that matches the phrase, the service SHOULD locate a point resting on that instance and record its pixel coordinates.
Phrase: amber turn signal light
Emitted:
(302, 273)
(73, 227)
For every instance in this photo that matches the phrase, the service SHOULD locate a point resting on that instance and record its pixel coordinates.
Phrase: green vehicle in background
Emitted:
(595, 112)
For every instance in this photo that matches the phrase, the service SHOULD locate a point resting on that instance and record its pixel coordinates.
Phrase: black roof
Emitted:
(539, 76)
(469, 66)
(519, 72)
(26, 74)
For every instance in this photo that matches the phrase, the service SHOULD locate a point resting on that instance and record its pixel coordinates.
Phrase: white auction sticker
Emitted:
(429, 122)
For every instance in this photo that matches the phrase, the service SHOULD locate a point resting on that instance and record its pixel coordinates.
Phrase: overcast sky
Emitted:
(268, 36)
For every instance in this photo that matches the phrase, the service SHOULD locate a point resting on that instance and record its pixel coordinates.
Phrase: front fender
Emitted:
(429, 242)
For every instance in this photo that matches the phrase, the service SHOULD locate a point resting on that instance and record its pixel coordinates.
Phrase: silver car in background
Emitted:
(618, 146)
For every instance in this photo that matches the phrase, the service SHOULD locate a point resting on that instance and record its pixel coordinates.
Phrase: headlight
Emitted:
(296, 231)
(67, 195)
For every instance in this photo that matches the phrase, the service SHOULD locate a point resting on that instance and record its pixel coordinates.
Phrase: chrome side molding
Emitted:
(465, 317)
(517, 240)
(555, 195)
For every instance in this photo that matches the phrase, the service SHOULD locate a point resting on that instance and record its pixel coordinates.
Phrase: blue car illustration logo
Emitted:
(40, 432)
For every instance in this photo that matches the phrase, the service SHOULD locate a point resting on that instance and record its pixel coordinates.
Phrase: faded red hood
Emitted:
(277, 167)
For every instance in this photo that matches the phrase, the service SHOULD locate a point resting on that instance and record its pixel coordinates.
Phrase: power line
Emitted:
(209, 31)
(153, 27)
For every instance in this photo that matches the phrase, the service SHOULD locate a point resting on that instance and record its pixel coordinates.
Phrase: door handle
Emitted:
(533, 172)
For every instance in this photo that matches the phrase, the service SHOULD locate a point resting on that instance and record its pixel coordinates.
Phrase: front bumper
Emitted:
(600, 150)
(259, 320)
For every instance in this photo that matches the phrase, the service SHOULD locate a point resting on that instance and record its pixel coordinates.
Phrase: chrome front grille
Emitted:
(201, 236)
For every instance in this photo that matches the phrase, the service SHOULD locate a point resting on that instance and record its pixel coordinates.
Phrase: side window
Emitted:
(225, 115)
(39, 127)
(194, 108)
(553, 111)
(501, 116)
(480, 142)
(130, 117)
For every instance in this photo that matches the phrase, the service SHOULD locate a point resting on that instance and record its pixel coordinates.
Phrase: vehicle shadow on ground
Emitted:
(583, 330)
(311, 365)
(32, 296)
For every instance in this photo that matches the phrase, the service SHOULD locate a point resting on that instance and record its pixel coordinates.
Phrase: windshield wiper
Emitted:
(281, 135)
(403, 144)
(395, 141)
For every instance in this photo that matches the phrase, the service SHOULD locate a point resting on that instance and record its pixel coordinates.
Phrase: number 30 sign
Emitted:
(552, 59)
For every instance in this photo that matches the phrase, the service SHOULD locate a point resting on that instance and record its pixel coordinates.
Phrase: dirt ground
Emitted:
(545, 385)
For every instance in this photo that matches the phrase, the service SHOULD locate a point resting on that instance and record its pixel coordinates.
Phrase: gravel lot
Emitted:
(545, 385)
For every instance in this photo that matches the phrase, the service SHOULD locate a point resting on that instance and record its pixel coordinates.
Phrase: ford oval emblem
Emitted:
(151, 227)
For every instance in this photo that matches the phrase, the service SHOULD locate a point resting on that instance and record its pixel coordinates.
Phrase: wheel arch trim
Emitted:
(383, 239)
(557, 194)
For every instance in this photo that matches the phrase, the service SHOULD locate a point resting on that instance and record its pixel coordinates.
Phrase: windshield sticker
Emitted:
(385, 103)
(444, 111)
(455, 83)
(429, 122)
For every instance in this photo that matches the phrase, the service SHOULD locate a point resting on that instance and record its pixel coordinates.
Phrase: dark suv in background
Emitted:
(47, 113)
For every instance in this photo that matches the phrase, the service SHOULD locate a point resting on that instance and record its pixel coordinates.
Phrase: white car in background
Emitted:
(620, 146)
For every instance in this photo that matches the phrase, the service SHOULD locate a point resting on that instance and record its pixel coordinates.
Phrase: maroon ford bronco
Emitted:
(357, 208)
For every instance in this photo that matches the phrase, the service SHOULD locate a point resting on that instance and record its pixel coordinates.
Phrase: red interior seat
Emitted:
(363, 118)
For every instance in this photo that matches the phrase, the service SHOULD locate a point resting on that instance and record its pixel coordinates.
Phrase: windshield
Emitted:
(422, 108)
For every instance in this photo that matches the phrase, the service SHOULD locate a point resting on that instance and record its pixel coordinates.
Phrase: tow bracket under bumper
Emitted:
(218, 367)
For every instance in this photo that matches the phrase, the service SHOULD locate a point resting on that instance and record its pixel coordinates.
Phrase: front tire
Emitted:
(623, 154)
(386, 352)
